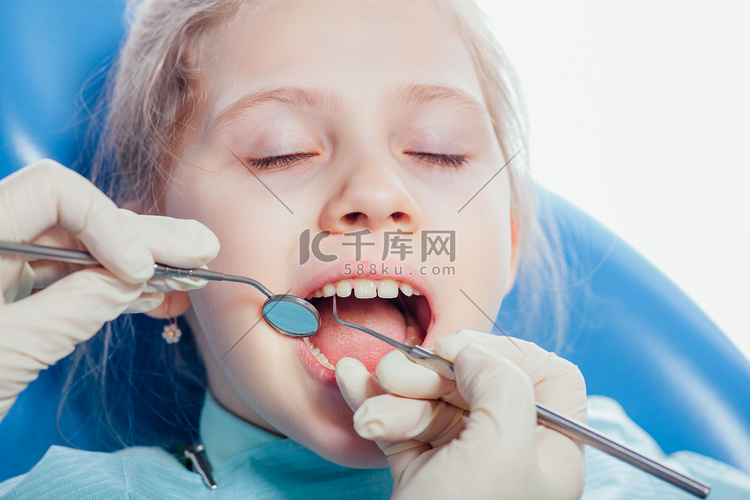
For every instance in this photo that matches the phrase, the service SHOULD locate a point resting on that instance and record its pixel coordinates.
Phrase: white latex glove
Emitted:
(48, 204)
(477, 437)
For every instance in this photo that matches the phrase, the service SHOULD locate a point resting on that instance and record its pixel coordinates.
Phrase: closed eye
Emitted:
(279, 161)
(448, 160)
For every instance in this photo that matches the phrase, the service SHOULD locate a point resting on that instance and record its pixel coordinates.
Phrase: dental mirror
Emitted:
(291, 316)
(287, 314)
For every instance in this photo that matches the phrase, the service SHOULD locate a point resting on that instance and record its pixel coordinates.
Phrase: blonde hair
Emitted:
(157, 94)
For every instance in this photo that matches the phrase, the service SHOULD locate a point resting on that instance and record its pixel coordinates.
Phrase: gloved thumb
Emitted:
(360, 389)
(356, 383)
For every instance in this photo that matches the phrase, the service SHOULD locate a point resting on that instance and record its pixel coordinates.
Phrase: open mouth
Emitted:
(394, 309)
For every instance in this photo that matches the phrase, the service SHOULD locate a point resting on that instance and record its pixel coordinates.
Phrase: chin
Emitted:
(331, 435)
(327, 427)
(348, 449)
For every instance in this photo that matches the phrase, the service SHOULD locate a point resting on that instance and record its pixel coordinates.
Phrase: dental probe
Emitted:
(555, 421)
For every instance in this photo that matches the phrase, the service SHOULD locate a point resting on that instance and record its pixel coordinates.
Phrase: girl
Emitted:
(344, 126)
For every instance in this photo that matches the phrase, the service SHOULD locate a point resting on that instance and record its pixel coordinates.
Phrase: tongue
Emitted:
(338, 341)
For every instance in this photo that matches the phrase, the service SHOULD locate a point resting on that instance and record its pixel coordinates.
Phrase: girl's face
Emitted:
(360, 119)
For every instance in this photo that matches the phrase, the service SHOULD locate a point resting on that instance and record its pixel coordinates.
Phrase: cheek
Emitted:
(248, 221)
(483, 261)
(497, 253)
(484, 237)
(228, 205)
(490, 246)
(226, 311)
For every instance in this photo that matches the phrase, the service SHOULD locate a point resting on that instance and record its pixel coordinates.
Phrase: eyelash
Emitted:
(448, 160)
(278, 161)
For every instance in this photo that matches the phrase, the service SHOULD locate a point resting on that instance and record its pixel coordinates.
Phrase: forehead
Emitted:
(353, 50)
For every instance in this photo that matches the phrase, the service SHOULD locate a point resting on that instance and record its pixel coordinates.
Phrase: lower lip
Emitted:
(317, 371)
(326, 376)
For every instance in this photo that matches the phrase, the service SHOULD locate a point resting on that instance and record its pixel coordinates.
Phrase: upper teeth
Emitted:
(365, 289)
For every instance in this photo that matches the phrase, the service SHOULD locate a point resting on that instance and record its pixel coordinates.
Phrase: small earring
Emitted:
(171, 333)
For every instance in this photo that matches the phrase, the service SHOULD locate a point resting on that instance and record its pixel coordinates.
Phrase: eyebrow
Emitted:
(293, 96)
(425, 94)
(418, 94)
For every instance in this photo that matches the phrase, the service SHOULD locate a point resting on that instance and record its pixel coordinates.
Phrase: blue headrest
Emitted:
(53, 59)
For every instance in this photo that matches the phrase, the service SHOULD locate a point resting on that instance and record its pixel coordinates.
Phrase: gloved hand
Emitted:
(48, 204)
(476, 437)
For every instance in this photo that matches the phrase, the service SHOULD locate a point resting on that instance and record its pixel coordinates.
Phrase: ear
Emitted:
(175, 304)
(515, 239)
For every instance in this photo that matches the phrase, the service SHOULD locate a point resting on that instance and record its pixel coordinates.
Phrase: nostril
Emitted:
(352, 218)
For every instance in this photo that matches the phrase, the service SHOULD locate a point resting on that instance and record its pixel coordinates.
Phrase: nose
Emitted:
(371, 194)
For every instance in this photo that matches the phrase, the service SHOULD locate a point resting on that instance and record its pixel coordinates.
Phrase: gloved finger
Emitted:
(403, 377)
(47, 272)
(175, 242)
(145, 303)
(512, 349)
(558, 383)
(46, 194)
(500, 395)
(526, 355)
(355, 382)
(16, 280)
(158, 233)
(393, 418)
(75, 308)
(163, 284)
(358, 386)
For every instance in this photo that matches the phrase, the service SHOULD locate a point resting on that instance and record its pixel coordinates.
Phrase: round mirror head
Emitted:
(291, 315)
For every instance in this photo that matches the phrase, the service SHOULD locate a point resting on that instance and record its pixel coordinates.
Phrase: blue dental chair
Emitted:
(637, 338)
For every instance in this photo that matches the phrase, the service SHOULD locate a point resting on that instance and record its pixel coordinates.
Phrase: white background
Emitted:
(640, 115)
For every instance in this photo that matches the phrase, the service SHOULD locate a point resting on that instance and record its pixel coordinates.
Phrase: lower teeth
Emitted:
(319, 356)
(413, 336)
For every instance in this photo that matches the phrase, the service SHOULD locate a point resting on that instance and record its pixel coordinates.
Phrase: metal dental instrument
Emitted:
(287, 314)
(555, 421)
